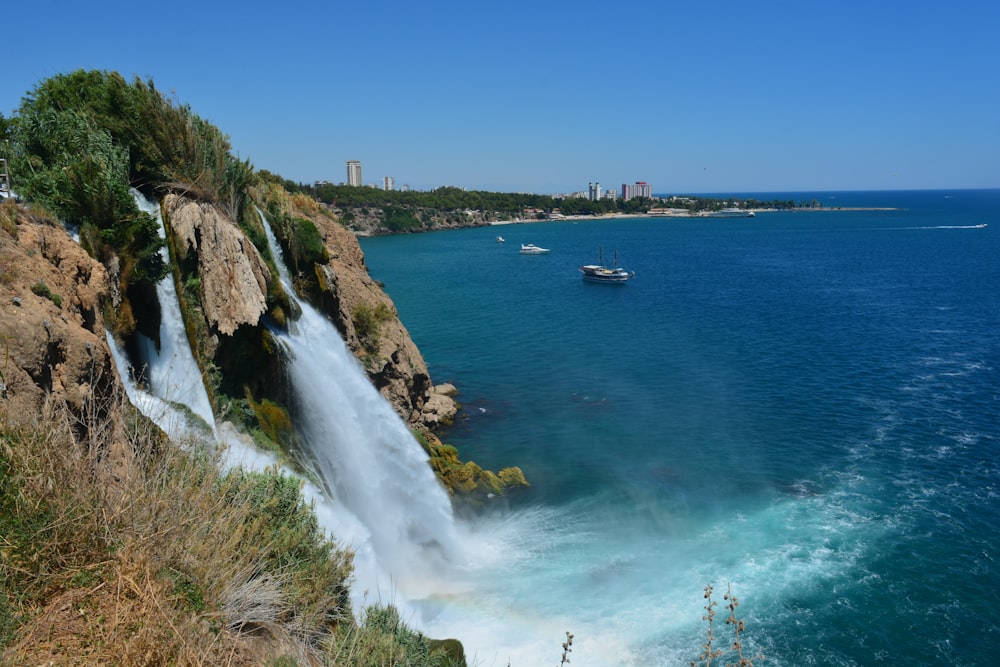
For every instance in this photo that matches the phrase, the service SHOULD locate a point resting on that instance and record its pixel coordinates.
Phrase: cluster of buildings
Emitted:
(354, 177)
(593, 193)
(628, 191)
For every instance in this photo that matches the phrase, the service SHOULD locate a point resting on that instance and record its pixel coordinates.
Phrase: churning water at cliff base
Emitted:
(803, 405)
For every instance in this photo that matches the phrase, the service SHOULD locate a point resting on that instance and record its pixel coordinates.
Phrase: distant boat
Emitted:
(599, 273)
(500, 239)
(532, 249)
(732, 213)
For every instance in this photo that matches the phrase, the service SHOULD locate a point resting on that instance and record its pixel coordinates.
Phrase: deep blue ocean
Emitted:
(803, 405)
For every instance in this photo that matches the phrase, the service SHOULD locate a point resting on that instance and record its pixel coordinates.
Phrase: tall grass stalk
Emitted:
(710, 650)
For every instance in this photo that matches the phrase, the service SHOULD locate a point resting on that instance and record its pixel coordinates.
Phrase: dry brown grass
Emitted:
(120, 548)
(305, 203)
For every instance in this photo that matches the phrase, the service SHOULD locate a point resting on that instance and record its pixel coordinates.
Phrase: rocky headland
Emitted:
(57, 302)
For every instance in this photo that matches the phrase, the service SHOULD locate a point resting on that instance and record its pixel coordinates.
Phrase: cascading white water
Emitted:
(171, 371)
(381, 497)
(168, 415)
(371, 463)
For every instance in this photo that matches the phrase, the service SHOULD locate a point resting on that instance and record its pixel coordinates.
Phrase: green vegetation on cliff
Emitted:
(471, 486)
(80, 141)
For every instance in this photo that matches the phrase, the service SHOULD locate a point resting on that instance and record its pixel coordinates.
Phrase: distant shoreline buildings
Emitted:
(594, 191)
(628, 191)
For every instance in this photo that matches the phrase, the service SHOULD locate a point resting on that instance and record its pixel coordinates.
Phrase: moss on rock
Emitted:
(467, 483)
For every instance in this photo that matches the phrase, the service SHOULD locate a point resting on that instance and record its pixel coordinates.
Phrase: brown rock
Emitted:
(51, 327)
(233, 275)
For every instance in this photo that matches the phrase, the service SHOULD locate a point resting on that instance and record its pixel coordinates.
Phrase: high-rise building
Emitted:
(640, 189)
(354, 173)
(388, 183)
(594, 191)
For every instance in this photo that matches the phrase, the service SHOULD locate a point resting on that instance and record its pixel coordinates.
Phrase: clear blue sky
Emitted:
(548, 95)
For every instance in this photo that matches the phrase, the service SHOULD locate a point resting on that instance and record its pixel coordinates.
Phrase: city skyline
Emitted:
(726, 97)
(593, 192)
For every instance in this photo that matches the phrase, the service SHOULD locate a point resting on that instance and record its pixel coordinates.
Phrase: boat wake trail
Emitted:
(982, 226)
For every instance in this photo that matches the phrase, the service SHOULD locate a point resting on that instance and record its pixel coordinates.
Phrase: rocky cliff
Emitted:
(232, 272)
(51, 321)
(233, 287)
(56, 300)
(52, 293)
(388, 353)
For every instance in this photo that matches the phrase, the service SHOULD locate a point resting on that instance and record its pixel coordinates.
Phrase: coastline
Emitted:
(689, 214)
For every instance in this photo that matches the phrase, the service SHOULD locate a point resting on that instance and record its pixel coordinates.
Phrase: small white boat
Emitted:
(532, 249)
(500, 239)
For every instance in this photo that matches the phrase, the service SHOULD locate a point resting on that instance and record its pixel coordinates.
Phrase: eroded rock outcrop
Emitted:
(233, 275)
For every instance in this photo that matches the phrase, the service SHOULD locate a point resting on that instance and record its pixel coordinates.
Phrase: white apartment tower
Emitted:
(354, 173)
(640, 189)
(593, 191)
(388, 183)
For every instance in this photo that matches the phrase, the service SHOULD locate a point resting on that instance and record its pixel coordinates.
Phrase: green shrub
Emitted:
(42, 290)
(80, 140)
(272, 418)
(399, 219)
(383, 639)
(286, 532)
(306, 244)
(367, 323)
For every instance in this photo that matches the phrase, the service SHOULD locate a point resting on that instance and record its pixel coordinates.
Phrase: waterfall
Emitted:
(169, 415)
(374, 469)
(171, 371)
(376, 494)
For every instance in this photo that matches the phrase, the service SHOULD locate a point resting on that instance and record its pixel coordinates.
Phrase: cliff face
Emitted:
(233, 275)
(54, 299)
(370, 221)
(51, 325)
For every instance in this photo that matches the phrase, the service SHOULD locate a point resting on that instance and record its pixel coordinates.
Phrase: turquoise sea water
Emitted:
(804, 405)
